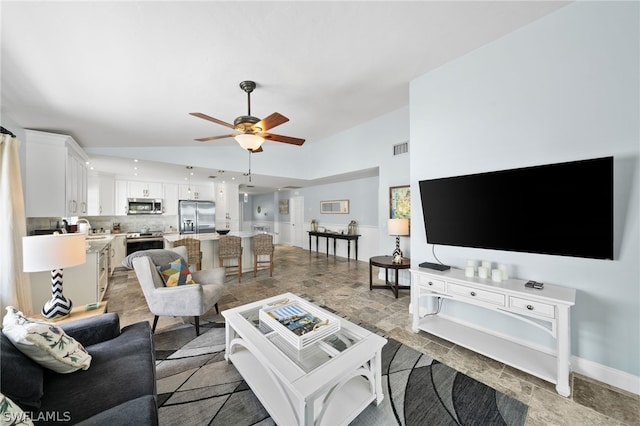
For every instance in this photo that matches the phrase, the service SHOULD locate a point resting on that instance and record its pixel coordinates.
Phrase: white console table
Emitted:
(547, 309)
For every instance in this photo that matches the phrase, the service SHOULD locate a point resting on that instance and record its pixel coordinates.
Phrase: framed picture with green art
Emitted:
(400, 202)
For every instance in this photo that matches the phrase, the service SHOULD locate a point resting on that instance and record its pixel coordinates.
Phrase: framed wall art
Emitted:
(400, 202)
(334, 206)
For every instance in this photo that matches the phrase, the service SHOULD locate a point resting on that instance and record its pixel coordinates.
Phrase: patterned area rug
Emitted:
(196, 386)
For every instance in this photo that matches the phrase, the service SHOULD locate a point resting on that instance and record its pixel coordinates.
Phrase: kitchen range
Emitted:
(137, 241)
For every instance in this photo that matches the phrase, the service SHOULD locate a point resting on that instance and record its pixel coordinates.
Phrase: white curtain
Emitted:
(15, 286)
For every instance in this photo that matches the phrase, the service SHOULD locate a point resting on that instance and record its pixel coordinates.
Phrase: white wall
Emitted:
(563, 88)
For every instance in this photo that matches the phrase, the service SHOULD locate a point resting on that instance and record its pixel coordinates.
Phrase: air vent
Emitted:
(401, 148)
(291, 187)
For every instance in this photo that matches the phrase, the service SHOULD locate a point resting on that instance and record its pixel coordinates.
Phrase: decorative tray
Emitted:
(298, 323)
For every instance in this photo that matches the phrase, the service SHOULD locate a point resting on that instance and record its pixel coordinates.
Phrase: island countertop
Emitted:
(206, 237)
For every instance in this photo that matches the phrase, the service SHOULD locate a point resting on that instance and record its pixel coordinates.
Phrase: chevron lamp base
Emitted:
(58, 306)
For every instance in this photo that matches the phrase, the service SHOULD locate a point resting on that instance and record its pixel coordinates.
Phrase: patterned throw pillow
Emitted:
(11, 414)
(45, 343)
(176, 273)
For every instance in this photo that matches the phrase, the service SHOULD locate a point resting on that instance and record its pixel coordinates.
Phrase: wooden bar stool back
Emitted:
(230, 247)
(262, 246)
(194, 255)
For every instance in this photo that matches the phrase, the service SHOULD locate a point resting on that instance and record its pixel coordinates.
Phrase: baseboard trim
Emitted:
(604, 374)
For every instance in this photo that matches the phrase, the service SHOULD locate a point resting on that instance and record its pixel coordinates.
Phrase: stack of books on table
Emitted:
(299, 323)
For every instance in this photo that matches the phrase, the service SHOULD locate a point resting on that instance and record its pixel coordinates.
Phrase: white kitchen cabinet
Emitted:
(170, 203)
(227, 207)
(145, 189)
(100, 195)
(55, 175)
(83, 284)
(122, 194)
(118, 251)
(198, 192)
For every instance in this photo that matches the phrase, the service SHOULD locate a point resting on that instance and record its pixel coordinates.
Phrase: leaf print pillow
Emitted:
(45, 343)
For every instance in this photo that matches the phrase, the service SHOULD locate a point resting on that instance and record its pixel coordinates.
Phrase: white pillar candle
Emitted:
(496, 275)
(487, 264)
(469, 271)
(472, 263)
(483, 272)
(505, 271)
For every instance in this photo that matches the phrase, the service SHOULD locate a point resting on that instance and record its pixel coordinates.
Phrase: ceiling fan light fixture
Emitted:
(249, 141)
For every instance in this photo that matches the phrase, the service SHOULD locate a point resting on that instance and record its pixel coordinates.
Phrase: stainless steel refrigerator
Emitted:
(196, 217)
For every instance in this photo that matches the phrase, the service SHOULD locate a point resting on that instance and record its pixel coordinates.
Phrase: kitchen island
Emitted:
(209, 247)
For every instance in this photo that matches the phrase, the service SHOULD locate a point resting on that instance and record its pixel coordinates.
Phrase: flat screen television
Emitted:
(558, 209)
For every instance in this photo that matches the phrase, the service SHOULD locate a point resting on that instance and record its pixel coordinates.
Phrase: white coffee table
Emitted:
(327, 383)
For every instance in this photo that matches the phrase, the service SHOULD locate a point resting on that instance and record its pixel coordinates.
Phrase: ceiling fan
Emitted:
(252, 130)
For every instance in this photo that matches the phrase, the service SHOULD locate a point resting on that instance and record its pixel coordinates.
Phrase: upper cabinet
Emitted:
(145, 190)
(101, 195)
(197, 192)
(170, 199)
(56, 176)
(227, 207)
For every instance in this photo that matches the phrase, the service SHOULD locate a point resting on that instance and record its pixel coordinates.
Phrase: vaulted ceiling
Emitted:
(126, 74)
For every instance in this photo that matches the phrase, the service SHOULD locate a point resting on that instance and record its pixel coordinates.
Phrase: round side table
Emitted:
(386, 262)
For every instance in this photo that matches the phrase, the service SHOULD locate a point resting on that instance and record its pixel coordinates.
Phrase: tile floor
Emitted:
(343, 286)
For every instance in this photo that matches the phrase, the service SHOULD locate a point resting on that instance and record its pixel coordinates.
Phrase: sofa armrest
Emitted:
(95, 329)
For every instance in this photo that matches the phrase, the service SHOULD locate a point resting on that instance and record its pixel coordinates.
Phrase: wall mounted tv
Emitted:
(559, 209)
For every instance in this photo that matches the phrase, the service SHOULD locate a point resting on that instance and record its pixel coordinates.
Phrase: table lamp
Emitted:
(52, 253)
(398, 227)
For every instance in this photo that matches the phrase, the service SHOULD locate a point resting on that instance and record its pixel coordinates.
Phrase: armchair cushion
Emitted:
(45, 343)
(176, 273)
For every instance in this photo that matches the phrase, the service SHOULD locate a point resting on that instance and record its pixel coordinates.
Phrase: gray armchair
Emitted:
(185, 300)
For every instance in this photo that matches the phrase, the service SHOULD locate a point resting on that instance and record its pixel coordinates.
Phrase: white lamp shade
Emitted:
(49, 252)
(249, 141)
(398, 226)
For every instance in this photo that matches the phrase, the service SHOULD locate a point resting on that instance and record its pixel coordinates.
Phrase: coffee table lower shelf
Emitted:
(345, 406)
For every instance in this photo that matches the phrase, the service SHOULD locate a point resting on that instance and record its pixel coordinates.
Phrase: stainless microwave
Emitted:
(144, 206)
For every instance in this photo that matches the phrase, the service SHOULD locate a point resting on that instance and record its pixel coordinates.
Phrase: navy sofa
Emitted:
(118, 388)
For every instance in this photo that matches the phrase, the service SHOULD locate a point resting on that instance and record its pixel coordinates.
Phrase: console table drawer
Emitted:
(530, 307)
(431, 284)
(474, 293)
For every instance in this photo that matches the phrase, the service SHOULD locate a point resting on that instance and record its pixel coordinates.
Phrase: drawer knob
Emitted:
(473, 293)
(430, 283)
(530, 307)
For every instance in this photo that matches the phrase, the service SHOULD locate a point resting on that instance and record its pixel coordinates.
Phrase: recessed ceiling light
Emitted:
(135, 161)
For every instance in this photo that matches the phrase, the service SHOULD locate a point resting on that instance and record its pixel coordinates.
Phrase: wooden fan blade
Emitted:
(271, 121)
(212, 138)
(215, 120)
(280, 138)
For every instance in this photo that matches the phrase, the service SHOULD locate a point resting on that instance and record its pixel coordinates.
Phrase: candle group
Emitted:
(486, 270)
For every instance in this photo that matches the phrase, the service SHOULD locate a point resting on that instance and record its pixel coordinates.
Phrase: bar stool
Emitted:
(229, 247)
(262, 246)
(194, 255)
